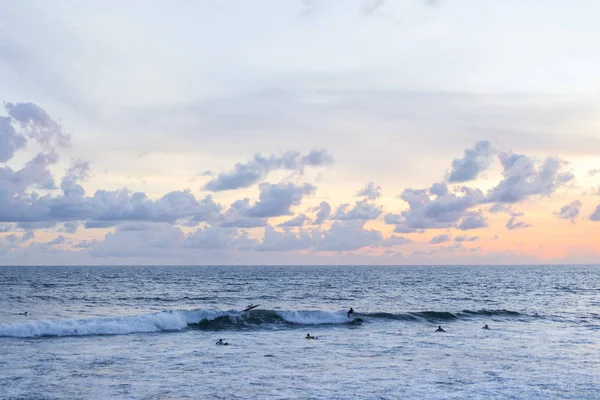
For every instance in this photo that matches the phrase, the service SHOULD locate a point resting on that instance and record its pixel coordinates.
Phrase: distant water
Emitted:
(150, 332)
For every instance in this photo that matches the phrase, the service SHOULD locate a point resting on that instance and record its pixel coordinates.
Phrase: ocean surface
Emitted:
(150, 332)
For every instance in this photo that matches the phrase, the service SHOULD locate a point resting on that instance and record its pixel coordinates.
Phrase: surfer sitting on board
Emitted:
(222, 343)
(439, 329)
(486, 327)
(350, 312)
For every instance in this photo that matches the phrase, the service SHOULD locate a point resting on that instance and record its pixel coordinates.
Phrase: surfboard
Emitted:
(251, 307)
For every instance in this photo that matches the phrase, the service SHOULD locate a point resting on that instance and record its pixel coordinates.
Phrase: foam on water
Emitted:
(176, 320)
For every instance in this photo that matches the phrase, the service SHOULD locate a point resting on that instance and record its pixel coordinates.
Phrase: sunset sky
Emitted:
(299, 132)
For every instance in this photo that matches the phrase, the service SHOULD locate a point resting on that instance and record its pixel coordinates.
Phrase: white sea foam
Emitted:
(314, 317)
(163, 321)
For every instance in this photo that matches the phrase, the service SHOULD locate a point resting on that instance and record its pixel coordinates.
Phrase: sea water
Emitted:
(150, 332)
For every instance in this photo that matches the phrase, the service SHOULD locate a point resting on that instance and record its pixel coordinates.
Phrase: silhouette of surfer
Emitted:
(222, 343)
(486, 327)
(310, 337)
(439, 329)
(350, 312)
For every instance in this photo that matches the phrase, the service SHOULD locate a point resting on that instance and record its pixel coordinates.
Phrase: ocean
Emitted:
(149, 332)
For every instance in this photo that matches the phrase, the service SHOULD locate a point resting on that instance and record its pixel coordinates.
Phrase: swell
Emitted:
(215, 320)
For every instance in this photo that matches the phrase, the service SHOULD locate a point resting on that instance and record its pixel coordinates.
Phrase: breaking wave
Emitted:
(214, 320)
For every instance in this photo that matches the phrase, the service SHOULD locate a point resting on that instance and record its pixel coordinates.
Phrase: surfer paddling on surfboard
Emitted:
(251, 307)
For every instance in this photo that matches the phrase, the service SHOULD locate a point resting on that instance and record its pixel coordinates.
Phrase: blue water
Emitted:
(150, 332)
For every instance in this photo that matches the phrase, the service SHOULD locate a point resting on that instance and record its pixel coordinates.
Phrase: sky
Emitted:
(299, 132)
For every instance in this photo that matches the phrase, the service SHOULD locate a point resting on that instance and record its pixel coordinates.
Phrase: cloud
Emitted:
(276, 200)
(38, 125)
(368, 7)
(6, 228)
(596, 214)
(499, 207)
(474, 161)
(218, 238)
(105, 207)
(473, 221)
(27, 236)
(298, 220)
(362, 210)
(570, 211)
(513, 224)
(465, 238)
(284, 241)
(71, 227)
(10, 140)
(236, 216)
(395, 240)
(85, 244)
(434, 208)
(247, 174)
(60, 239)
(522, 178)
(440, 239)
(347, 236)
(370, 191)
(161, 241)
(593, 172)
(323, 212)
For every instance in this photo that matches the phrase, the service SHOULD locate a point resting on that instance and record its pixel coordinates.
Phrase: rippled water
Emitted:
(150, 332)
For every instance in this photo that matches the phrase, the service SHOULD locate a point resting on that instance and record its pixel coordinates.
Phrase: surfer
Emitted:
(350, 312)
(310, 337)
(439, 329)
(486, 327)
(222, 343)
(22, 313)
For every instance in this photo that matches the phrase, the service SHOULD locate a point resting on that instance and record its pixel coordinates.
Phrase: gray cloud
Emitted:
(395, 240)
(465, 238)
(323, 212)
(362, 210)
(5, 228)
(284, 241)
(440, 239)
(85, 244)
(60, 239)
(10, 140)
(236, 216)
(596, 214)
(523, 179)
(434, 208)
(71, 226)
(473, 221)
(27, 236)
(276, 200)
(162, 241)
(347, 236)
(368, 7)
(38, 125)
(513, 224)
(474, 161)
(247, 174)
(217, 238)
(299, 220)
(370, 191)
(570, 211)
(593, 172)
